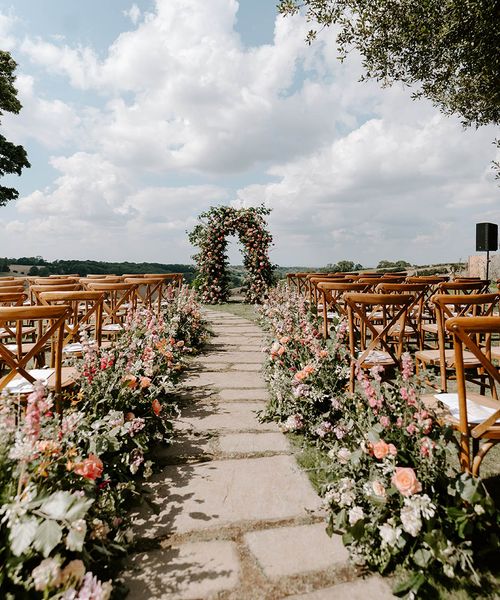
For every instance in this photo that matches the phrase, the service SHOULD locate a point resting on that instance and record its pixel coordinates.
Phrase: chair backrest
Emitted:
(16, 361)
(415, 310)
(12, 298)
(59, 280)
(118, 299)
(149, 290)
(429, 279)
(332, 297)
(469, 333)
(364, 335)
(36, 290)
(4, 282)
(12, 289)
(460, 287)
(85, 311)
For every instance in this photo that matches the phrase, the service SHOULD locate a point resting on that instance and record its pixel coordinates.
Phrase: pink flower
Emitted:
(145, 382)
(406, 482)
(380, 449)
(385, 421)
(156, 406)
(90, 468)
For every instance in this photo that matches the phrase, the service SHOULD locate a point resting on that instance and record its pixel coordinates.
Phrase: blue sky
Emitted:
(138, 116)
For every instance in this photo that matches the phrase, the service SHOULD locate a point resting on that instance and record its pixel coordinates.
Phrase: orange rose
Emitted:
(308, 369)
(131, 381)
(156, 406)
(300, 375)
(90, 468)
(406, 482)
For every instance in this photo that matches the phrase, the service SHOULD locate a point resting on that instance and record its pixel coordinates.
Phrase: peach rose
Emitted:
(145, 382)
(90, 468)
(380, 449)
(406, 482)
(131, 381)
(308, 369)
(156, 406)
(379, 489)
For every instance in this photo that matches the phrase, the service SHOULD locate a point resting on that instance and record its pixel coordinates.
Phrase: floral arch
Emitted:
(210, 235)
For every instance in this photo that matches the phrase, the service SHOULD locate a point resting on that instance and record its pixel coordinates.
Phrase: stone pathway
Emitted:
(231, 515)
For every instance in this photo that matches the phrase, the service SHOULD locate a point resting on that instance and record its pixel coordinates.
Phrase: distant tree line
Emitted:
(41, 267)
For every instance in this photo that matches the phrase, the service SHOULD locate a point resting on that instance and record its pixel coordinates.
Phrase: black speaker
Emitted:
(486, 236)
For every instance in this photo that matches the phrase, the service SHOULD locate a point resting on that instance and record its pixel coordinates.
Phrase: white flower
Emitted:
(422, 504)
(389, 534)
(343, 456)
(479, 510)
(355, 514)
(379, 489)
(47, 574)
(448, 570)
(410, 519)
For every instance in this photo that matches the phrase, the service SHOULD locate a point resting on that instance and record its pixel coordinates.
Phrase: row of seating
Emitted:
(452, 327)
(41, 323)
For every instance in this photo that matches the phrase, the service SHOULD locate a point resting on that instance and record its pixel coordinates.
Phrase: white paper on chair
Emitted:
(76, 347)
(476, 413)
(19, 385)
(112, 327)
(375, 356)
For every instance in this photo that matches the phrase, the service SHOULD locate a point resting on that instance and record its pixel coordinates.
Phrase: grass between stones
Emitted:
(245, 311)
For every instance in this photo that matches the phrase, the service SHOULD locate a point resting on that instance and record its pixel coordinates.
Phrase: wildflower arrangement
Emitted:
(306, 374)
(210, 237)
(66, 485)
(388, 484)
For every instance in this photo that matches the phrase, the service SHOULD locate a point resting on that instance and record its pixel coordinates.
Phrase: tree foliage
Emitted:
(13, 158)
(449, 49)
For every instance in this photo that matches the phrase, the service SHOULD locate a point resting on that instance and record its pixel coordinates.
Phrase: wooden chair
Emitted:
(332, 300)
(415, 311)
(475, 416)
(36, 290)
(85, 312)
(447, 307)
(118, 299)
(149, 292)
(20, 378)
(370, 346)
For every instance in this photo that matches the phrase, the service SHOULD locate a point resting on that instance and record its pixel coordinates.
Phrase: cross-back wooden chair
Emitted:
(371, 346)
(85, 313)
(149, 291)
(414, 316)
(36, 290)
(20, 378)
(118, 299)
(448, 306)
(11, 283)
(55, 280)
(475, 416)
(332, 300)
(314, 290)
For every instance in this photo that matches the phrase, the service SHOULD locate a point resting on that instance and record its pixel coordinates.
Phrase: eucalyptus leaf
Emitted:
(76, 537)
(79, 509)
(56, 506)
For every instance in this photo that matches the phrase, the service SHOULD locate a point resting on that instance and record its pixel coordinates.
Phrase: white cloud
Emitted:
(350, 171)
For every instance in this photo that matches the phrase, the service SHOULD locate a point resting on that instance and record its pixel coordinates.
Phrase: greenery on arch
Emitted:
(210, 236)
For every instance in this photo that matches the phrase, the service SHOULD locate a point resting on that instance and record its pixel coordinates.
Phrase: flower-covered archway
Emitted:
(210, 235)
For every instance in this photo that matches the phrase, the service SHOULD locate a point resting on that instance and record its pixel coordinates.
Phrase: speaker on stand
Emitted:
(486, 240)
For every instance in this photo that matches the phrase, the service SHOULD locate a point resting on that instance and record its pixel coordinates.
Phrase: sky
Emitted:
(138, 116)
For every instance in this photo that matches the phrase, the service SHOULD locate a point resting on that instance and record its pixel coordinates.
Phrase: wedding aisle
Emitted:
(231, 515)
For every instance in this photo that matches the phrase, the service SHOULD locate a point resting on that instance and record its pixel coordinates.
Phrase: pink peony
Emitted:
(406, 482)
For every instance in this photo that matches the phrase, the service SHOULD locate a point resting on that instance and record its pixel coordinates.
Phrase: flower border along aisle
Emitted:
(210, 235)
(387, 482)
(66, 485)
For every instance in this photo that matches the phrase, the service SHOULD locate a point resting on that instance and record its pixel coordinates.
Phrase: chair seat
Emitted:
(377, 358)
(113, 327)
(433, 357)
(479, 408)
(395, 331)
(19, 385)
(25, 348)
(430, 328)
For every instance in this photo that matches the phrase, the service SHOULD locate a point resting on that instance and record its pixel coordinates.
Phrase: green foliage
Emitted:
(13, 158)
(399, 264)
(449, 48)
(343, 266)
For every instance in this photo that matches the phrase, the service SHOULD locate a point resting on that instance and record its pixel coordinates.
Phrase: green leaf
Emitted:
(22, 535)
(57, 505)
(422, 557)
(79, 509)
(76, 537)
(48, 535)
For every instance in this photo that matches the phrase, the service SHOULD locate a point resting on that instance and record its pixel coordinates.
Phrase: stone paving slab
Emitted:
(371, 588)
(187, 572)
(253, 442)
(221, 493)
(294, 550)
(226, 380)
(246, 367)
(230, 416)
(232, 357)
(239, 340)
(229, 395)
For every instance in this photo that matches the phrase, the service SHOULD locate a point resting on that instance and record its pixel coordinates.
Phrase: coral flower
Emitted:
(156, 406)
(90, 468)
(145, 382)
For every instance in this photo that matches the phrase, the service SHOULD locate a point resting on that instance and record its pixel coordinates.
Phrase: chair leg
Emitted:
(465, 457)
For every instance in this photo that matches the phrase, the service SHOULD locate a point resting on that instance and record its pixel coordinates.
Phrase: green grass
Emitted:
(245, 311)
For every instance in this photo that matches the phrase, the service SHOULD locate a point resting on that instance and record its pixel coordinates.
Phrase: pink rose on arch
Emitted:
(90, 468)
(381, 449)
(406, 482)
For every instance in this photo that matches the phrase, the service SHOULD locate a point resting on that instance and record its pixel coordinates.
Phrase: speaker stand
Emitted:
(487, 265)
